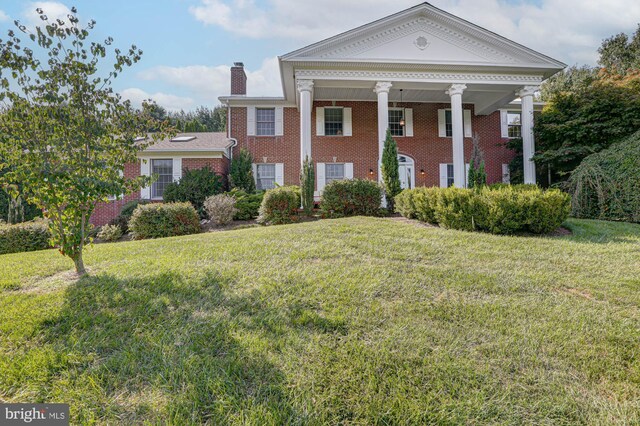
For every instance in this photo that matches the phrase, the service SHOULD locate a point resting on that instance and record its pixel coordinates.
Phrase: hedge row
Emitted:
(499, 210)
(26, 236)
(159, 220)
(351, 197)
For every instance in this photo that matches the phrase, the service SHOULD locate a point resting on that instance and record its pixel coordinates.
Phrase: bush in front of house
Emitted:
(122, 220)
(159, 220)
(220, 208)
(194, 186)
(26, 236)
(499, 209)
(247, 203)
(110, 233)
(351, 197)
(280, 205)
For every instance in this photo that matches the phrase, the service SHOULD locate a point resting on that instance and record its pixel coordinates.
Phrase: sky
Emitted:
(189, 45)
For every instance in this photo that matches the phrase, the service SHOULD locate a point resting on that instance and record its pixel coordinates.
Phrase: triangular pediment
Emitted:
(422, 34)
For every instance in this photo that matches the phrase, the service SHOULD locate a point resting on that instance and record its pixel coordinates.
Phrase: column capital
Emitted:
(304, 85)
(456, 89)
(527, 91)
(383, 87)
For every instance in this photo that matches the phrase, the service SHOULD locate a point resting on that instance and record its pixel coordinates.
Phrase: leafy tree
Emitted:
(390, 172)
(307, 184)
(477, 174)
(66, 135)
(203, 119)
(619, 54)
(241, 172)
(573, 79)
(195, 186)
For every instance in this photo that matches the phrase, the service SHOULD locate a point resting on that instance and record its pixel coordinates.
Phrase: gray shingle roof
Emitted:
(201, 142)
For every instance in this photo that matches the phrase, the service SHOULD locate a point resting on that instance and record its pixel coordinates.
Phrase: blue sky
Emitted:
(190, 44)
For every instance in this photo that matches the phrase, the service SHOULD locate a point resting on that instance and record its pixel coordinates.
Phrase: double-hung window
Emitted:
(395, 117)
(265, 121)
(448, 123)
(450, 180)
(265, 176)
(163, 169)
(514, 124)
(333, 121)
(334, 171)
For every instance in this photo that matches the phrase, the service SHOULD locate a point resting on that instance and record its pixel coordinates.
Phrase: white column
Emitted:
(528, 143)
(382, 90)
(455, 92)
(304, 88)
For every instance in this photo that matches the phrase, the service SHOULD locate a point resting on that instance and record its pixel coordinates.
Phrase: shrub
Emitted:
(158, 220)
(27, 211)
(247, 204)
(194, 186)
(351, 197)
(307, 185)
(26, 236)
(500, 209)
(280, 205)
(241, 172)
(122, 220)
(110, 233)
(220, 208)
(390, 171)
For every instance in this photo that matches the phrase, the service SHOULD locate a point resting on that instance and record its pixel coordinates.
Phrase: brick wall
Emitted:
(105, 212)
(426, 148)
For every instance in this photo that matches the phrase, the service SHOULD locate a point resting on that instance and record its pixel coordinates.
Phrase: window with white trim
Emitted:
(448, 123)
(450, 180)
(334, 171)
(163, 169)
(395, 117)
(265, 176)
(514, 124)
(333, 121)
(265, 121)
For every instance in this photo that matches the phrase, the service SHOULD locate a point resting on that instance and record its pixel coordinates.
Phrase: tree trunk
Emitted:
(79, 264)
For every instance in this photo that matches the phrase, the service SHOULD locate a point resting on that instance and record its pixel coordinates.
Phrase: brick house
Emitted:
(433, 79)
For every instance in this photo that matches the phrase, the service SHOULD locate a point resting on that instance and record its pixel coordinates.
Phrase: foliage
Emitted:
(110, 233)
(241, 172)
(67, 135)
(122, 220)
(499, 209)
(14, 208)
(307, 186)
(26, 236)
(606, 185)
(351, 197)
(572, 79)
(620, 55)
(203, 119)
(220, 208)
(390, 170)
(280, 205)
(159, 220)
(247, 204)
(194, 186)
(477, 176)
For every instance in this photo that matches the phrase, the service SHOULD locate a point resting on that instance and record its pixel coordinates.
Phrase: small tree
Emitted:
(390, 170)
(241, 172)
(477, 175)
(307, 184)
(66, 135)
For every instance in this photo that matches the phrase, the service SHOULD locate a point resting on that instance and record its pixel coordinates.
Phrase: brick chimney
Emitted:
(238, 79)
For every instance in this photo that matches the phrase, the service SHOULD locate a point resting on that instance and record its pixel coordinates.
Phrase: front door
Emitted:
(406, 172)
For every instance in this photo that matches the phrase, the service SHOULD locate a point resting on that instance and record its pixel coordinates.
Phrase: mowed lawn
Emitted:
(351, 321)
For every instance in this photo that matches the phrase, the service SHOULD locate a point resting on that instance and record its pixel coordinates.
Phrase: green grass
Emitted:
(351, 321)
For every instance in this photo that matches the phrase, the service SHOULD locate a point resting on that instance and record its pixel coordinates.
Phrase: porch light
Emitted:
(371, 172)
(402, 122)
(422, 172)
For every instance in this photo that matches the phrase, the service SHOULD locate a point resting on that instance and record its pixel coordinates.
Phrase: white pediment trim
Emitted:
(426, 77)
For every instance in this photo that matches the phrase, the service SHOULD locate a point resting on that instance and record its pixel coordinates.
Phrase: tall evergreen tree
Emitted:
(390, 170)
(307, 184)
(241, 172)
(477, 175)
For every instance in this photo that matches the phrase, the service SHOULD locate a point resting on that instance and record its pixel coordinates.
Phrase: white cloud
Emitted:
(3, 16)
(52, 9)
(206, 83)
(170, 102)
(569, 30)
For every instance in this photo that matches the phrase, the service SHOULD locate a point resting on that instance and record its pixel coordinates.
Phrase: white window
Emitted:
(265, 121)
(333, 121)
(163, 169)
(514, 124)
(445, 123)
(334, 171)
(265, 176)
(447, 173)
(396, 121)
(328, 172)
(506, 173)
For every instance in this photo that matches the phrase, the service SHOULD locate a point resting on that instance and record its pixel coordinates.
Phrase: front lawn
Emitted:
(352, 321)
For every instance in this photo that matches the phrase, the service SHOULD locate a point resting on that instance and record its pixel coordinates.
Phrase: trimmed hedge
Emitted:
(247, 204)
(122, 220)
(159, 220)
(26, 236)
(280, 205)
(351, 197)
(499, 209)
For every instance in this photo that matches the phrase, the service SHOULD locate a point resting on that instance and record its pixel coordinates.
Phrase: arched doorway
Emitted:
(406, 171)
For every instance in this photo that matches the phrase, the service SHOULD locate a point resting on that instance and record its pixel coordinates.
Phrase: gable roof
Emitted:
(196, 142)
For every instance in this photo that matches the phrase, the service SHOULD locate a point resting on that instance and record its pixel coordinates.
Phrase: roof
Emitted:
(201, 142)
